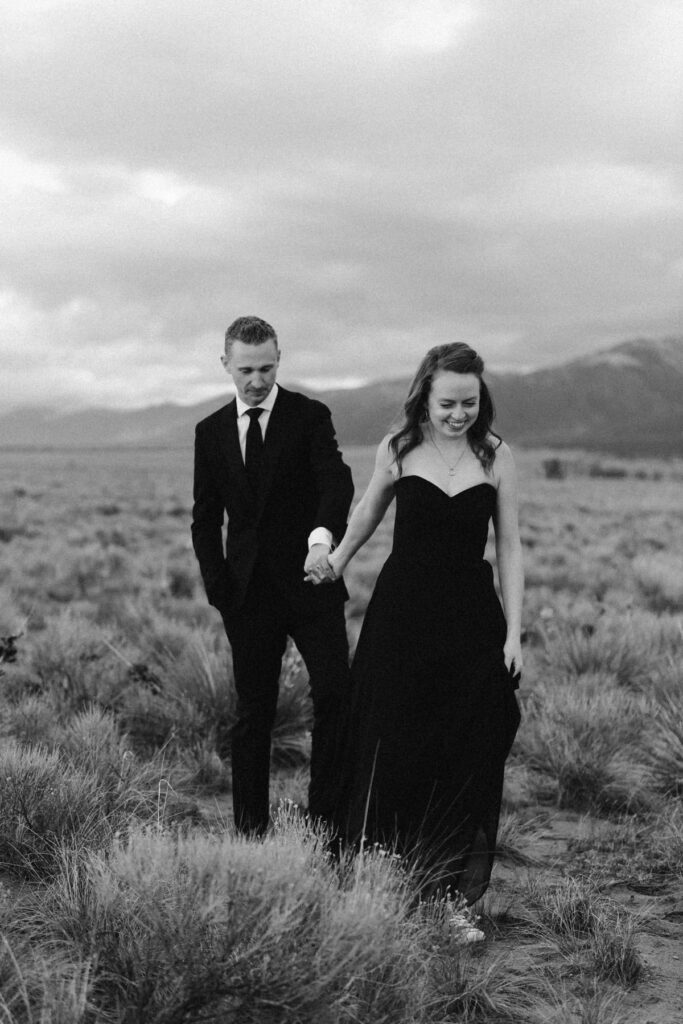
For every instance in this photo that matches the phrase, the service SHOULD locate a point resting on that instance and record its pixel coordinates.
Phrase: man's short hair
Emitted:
(251, 330)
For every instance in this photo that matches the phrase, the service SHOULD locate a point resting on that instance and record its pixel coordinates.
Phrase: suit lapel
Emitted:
(231, 453)
(276, 435)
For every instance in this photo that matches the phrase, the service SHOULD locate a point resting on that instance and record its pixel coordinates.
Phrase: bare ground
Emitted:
(657, 905)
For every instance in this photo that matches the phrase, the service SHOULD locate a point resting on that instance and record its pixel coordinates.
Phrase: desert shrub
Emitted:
(12, 621)
(206, 769)
(554, 469)
(597, 1006)
(45, 802)
(183, 697)
(8, 648)
(48, 988)
(77, 795)
(667, 680)
(515, 836)
(181, 582)
(577, 913)
(646, 848)
(626, 647)
(598, 469)
(291, 736)
(582, 739)
(177, 928)
(78, 573)
(153, 721)
(568, 908)
(663, 748)
(32, 719)
(184, 927)
(72, 661)
(109, 509)
(202, 674)
(666, 840)
(614, 952)
(660, 578)
(178, 694)
(290, 787)
(92, 743)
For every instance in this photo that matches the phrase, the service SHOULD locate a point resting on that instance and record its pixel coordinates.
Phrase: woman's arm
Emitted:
(509, 555)
(369, 511)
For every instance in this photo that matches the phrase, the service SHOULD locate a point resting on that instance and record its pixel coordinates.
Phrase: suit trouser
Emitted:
(258, 637)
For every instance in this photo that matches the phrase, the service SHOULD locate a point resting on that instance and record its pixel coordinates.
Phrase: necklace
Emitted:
(451, 467)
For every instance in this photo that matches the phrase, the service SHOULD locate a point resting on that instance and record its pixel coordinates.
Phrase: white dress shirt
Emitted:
(243, 420)
(321, 535)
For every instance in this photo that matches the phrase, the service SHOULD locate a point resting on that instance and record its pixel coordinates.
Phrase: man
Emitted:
(269, 459)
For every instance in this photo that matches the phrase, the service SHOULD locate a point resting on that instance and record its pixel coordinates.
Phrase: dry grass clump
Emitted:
(581, 739)
(168, 683)
(623, 647)
(646, 849)
(118, 677)
(664, 746)
(45, 802)
(70, 661)
(587, 925)
(37, 989)
(598, 1006)
(515, 837)
(188, 927)
(614, 951)
(76, 796)
(660, 579)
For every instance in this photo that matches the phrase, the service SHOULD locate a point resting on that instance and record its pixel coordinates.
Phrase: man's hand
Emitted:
(317, 568)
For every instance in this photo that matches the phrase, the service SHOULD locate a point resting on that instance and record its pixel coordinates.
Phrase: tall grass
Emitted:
(76, 796)
(116, 704)
(173, 928)
(585, 922)
(581, 736)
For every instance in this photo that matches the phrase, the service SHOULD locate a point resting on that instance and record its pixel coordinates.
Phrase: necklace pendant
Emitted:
(451, 470)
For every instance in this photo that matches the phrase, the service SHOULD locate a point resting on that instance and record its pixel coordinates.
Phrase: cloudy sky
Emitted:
(372, 176)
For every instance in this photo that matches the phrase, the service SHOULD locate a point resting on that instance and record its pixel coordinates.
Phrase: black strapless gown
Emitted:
(433, 712)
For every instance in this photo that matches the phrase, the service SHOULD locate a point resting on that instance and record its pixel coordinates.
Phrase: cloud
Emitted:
(373, 178)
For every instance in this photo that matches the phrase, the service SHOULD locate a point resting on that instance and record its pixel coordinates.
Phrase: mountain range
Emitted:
(627, 399)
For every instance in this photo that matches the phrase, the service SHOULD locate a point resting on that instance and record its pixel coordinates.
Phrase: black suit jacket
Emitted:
(304, 484)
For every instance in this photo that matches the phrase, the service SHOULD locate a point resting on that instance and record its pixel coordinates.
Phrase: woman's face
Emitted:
(453, 403)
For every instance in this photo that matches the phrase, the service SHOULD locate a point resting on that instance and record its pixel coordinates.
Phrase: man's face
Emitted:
(253, 368)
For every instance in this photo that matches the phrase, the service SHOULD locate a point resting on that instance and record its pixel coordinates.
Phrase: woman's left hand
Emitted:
(512, 653)
(336, 564)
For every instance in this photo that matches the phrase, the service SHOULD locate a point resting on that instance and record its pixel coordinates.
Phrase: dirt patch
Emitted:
(656, 904)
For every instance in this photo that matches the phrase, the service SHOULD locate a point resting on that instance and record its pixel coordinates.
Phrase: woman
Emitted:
(433, 711)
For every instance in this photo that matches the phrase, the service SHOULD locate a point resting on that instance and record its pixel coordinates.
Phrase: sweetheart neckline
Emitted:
(473, 487)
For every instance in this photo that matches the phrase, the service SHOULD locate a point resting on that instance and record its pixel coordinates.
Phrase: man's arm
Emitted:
(207, 527)
(335, 488)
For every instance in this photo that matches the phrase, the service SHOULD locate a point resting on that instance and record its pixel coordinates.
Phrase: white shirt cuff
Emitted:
(321, 535)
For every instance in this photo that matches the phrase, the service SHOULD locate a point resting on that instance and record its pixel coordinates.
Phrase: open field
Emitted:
(126, 898)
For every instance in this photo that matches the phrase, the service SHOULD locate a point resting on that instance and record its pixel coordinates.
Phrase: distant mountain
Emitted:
(626, 399)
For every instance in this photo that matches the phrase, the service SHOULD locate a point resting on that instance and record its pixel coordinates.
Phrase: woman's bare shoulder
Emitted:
(501, 447)
(503, 467)
(384, 457)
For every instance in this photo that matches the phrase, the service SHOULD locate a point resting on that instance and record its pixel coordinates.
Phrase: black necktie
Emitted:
(254, 448)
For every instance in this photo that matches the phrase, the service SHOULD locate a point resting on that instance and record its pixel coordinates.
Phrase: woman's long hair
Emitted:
(456, 357)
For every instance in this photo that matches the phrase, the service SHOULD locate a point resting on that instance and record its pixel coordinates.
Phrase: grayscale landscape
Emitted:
(373, 179)
(126, 895)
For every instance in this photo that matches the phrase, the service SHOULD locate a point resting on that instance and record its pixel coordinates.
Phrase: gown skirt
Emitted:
(433, 711)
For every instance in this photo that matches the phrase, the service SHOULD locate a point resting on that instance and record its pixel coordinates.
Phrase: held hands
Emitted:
(317, 566)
